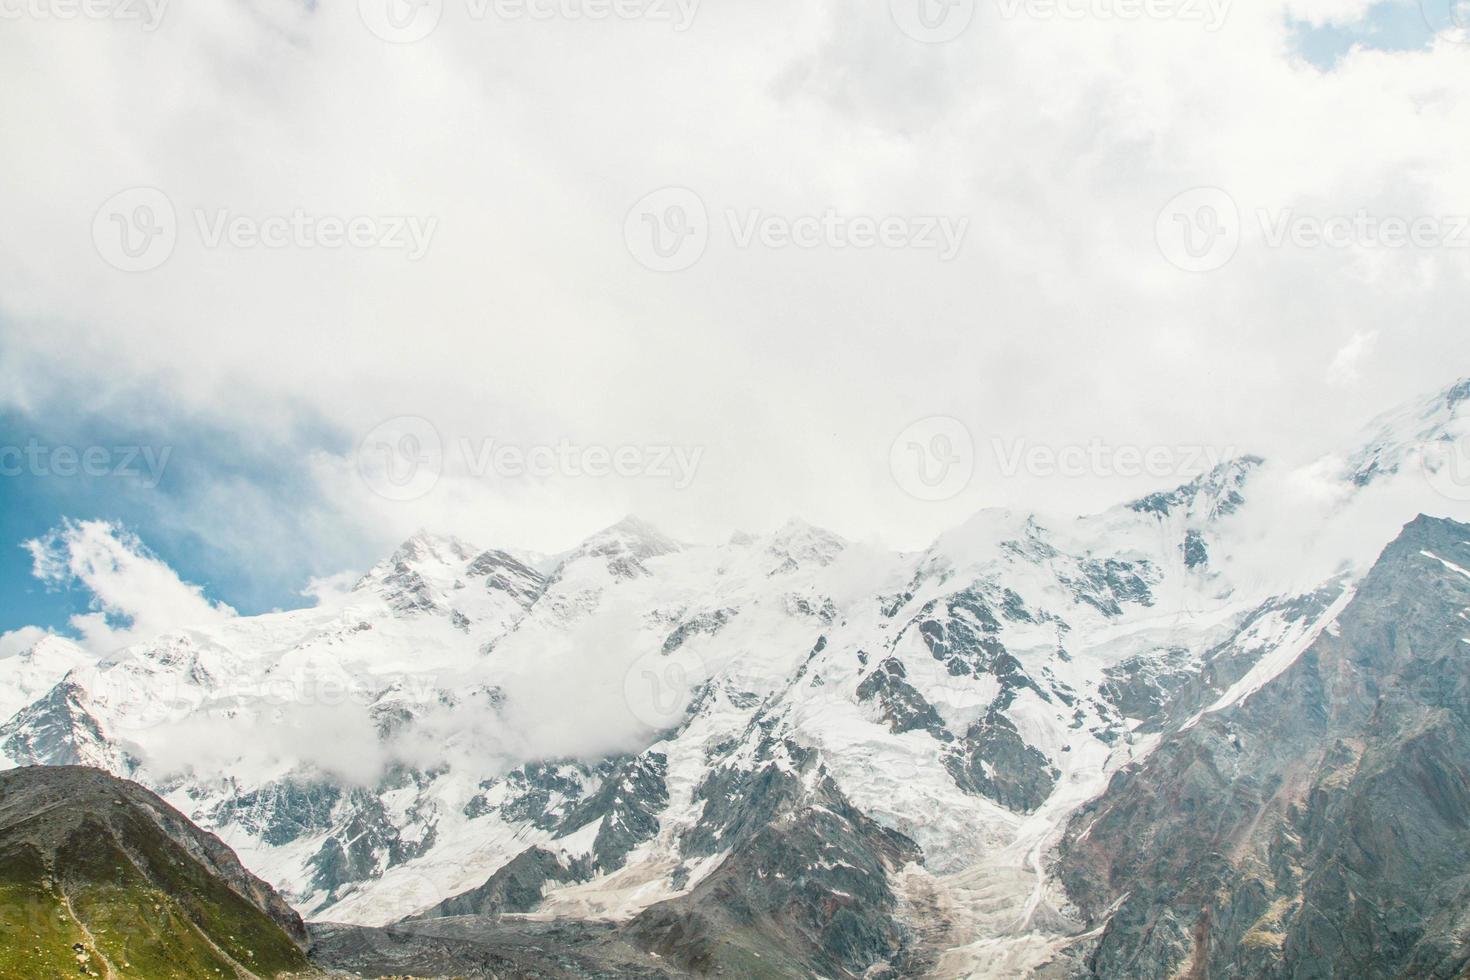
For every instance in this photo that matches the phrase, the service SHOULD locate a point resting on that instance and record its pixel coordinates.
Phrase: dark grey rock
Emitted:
(1319, 828)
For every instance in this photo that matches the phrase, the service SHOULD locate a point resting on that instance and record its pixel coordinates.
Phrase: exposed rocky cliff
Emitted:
(1317, 827)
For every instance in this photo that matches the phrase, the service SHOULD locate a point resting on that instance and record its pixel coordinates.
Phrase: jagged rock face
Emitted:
(538, 793)
(806, 884)
(502, 572)
(904, 709)
(994, 760)
(1318, 827)
(517, 887)
(1143, 687)
(1216, 494)
(280, 813)
(368, 841)
(707, 624)
(57, 730)
(626, 807)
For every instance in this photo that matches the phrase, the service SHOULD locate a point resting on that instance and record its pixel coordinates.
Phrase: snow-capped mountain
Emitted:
(881, 751)
(35, 670)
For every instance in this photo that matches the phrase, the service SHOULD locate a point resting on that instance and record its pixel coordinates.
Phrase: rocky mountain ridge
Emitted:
(788, 749)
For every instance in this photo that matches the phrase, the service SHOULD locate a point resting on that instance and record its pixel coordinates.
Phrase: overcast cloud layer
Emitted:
(511, 159)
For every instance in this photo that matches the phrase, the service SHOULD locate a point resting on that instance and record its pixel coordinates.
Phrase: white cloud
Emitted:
(134, 595)
(20, 640)
(528, 321)
(1321, 12)
(338, 740)
(328, 589)
(1347, 364)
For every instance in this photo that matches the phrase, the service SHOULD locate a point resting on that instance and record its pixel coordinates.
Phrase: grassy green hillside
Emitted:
(112, 894)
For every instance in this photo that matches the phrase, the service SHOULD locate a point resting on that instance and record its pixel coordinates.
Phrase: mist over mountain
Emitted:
(1203, 730)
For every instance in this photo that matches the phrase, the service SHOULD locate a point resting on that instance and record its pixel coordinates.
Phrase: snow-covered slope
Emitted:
(37, 669)
(590, 735)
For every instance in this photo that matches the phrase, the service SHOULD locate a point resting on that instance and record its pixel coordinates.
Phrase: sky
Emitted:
(292, 281)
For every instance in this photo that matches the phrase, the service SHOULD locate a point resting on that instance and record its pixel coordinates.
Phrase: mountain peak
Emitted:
(797, 529)
(423, 544)
(50, 646)
(798, 543)
(624, 546)
(634, 535)
(1210, 495)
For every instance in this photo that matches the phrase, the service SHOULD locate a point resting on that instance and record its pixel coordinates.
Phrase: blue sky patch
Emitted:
(1392, 26)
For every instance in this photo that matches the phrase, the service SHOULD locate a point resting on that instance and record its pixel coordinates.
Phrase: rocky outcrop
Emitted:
(517, 887)
(1317, 827)
(57, 730)
(804, 889)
